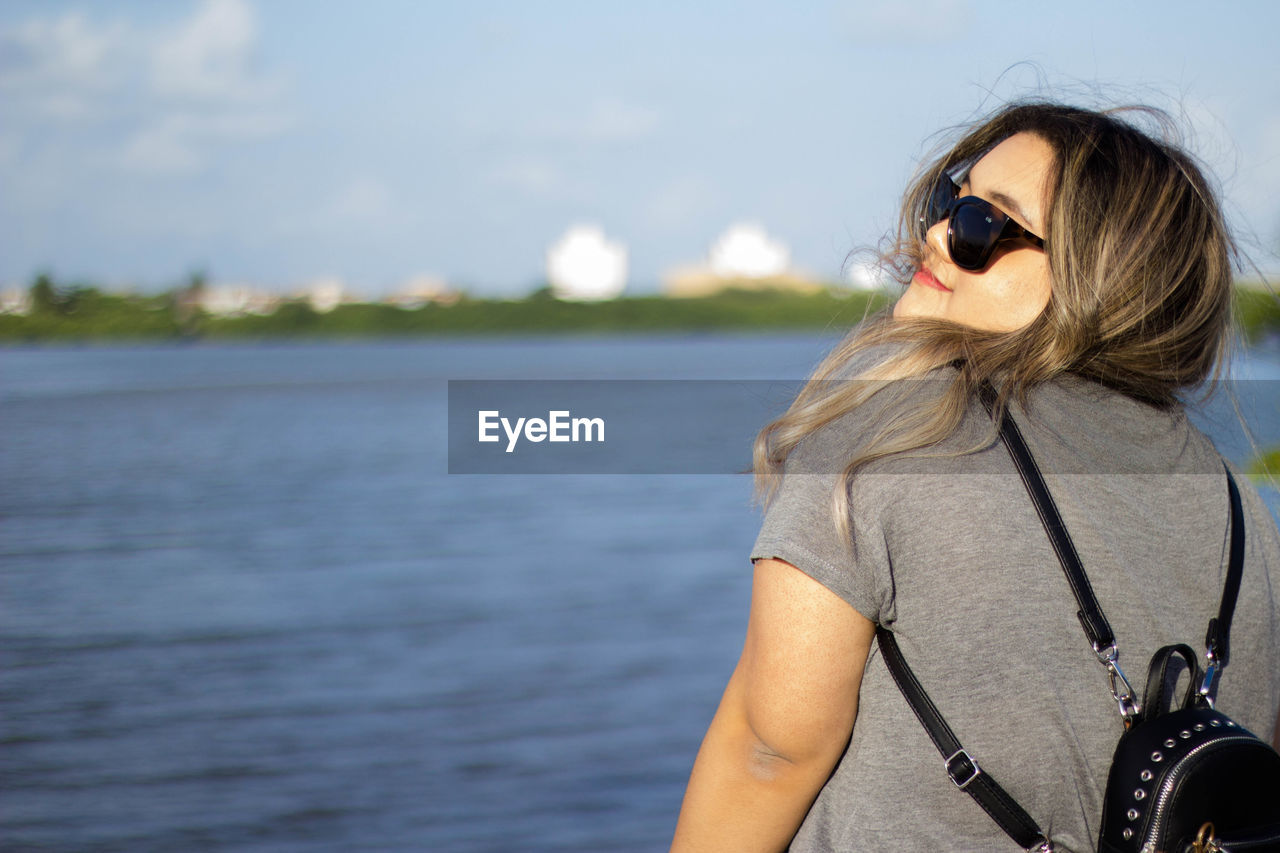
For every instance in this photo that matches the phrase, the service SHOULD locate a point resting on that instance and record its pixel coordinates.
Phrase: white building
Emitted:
(746, 251)
(864, 274)
(230, 300)
(744, 257)
(583, 265)
(421, 290)
(325, 294)
(15, 300)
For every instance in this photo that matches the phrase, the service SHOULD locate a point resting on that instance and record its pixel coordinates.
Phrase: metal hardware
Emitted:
(1121, 689)
(1045, 846)
(1207, 686)
(954, 774)
(1205, 841)
(1164, 796)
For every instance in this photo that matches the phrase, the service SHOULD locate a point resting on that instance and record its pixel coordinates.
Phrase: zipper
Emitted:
(1168, 784)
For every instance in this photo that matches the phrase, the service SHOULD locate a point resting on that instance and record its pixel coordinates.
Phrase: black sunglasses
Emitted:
(976, 225)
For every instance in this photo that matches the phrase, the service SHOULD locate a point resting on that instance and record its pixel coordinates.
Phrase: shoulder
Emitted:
(1080, 426)
(867, 410)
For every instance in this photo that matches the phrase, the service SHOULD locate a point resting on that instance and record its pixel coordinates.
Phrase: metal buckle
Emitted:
(1121, 690)
(955, 773)
(1207, 687)
(1106, 655)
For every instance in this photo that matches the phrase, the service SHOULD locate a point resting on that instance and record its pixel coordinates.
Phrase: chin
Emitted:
(908, 307)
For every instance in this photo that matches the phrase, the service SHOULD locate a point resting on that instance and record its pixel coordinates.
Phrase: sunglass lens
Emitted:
(944, 192)
(973, 231)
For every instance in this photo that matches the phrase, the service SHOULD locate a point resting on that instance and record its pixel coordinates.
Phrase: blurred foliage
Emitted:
(85, 313)
(1266, 465)
(1258, 310)
(82, 312)
(76, 311)
(540, 313)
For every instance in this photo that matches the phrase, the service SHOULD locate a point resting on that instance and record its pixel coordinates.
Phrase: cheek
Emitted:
(1007, 296)
(1023, 297)
(1037, 288)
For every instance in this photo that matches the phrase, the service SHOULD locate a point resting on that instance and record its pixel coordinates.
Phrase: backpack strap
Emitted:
(960, 764)
(1096, 628)
(1217, 640)
(1091, 617)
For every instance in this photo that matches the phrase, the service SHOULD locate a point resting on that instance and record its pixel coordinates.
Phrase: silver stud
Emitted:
(1140, 794)
(1145, 776)
(1128, 833)
(1170, 742)
(1231, 723)
(1215, 723)
(1184, 734)
(1157, 757)
(1133, 814)
(1198, 727)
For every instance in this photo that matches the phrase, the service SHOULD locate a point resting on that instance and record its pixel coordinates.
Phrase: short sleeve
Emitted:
(800, 527)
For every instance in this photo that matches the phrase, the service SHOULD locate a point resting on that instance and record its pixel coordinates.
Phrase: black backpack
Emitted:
(1181, 780)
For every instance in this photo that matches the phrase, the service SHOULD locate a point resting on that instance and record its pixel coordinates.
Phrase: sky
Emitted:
(276, 142)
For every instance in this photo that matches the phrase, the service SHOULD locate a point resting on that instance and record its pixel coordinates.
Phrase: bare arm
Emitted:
(784, 719)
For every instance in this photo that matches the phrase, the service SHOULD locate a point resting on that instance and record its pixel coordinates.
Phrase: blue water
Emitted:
(243, 607)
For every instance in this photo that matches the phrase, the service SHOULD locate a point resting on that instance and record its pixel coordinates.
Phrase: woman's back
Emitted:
(950, 555)
(1083, 265)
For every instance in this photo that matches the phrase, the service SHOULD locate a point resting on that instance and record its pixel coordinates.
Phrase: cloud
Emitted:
(58, 68)
(683, 202)
(208, 58)
(1258, 189)
(364, 200)
(162, 99)
(897, 24)
(181, 141)
(612, 119)
(531, 176)
(1269, 161)
(607, 119)
(362, 205)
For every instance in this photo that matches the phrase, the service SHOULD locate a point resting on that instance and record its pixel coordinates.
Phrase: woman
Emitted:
(1083, 268)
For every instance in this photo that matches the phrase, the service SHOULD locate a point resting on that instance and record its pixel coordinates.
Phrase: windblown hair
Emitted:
(1140, 265)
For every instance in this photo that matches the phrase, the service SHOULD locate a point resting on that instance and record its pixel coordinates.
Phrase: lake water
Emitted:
(243, 605)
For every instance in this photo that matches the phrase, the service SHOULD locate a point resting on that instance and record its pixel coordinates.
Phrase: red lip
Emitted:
(928, 279)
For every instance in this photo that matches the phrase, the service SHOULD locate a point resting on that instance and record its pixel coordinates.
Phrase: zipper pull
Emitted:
(1205, 842)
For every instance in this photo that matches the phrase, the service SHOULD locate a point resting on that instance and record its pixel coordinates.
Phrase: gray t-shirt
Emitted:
(949, 554)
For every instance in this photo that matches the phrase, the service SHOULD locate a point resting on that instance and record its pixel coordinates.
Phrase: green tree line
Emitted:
(84, 313)
(81, 312)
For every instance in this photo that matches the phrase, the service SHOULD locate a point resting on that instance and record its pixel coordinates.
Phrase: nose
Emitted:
(936, 240)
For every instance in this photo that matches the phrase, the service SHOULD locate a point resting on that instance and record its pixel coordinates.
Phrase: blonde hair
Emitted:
(1140, 266)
